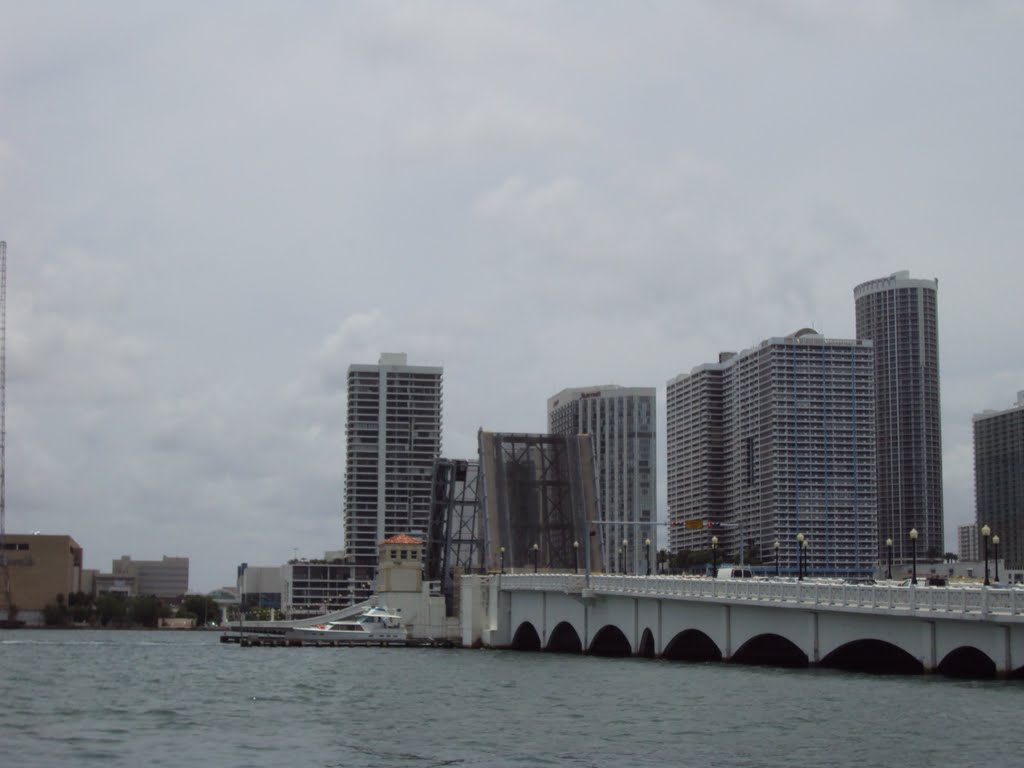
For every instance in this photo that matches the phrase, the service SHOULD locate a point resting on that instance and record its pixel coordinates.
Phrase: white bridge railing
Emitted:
(964, 600)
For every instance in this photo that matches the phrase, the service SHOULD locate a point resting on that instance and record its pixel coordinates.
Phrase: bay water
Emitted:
(138, 698)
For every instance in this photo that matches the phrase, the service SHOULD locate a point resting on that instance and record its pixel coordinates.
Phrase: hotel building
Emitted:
(621, 423)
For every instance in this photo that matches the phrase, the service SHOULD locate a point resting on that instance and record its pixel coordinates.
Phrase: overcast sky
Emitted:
(212, 209)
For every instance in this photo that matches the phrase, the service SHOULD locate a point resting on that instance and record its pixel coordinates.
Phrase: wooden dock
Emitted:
(271, 641)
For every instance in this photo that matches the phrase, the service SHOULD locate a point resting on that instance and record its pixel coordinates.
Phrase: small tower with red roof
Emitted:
(400, 564)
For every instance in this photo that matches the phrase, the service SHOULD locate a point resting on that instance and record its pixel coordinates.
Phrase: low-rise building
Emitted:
(261, 586)
(109, 584)
(315, 587)
(968, 540)
(300, 587)
(166, 578)
(37, 570)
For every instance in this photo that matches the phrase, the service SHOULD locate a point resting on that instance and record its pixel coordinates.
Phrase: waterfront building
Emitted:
(109, 584)
(314, 587)
(393, 436)
(261, 586)
(165, 578)
(999, 478)
(773, 442)
(900, 316)
(968, 540)
(35, 570)
(622, 426)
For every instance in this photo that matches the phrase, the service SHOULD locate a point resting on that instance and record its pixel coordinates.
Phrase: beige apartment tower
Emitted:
(393, 436)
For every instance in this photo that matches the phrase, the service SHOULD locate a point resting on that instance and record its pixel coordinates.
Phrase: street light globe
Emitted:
(714, 542)
(536, 546)
(800, 538)
(888, 542)
(625, 543)
(647, 542)
(995, 540)
(502, 550)
(913, 534)
(776, 544)
(985, 531)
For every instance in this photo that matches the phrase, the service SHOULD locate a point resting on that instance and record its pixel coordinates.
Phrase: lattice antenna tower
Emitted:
(5, 575)
(3, 397)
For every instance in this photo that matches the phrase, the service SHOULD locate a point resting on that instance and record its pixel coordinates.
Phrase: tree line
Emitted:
(121, 611)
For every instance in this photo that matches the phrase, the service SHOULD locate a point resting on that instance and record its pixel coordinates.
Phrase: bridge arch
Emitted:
(526, 638)
(564, 639)
(967, 661)
(610, 641)
(692, 645)
(770, 649)
(646, 649)
(874, 656)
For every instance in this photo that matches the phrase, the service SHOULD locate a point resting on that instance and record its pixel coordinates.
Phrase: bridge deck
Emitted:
(959, 601)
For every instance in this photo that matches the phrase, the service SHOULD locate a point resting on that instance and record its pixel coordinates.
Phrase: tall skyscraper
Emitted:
(999, 478)
(393, 437)
(900, 316)
(621, 423)
(773, 442)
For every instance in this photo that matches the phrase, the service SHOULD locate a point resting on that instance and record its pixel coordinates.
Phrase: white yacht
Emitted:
(374, 625)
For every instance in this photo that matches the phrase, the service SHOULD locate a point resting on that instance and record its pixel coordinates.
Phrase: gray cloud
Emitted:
(211, 215)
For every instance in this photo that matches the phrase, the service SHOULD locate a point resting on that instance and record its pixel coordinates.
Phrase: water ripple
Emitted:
(169, 699)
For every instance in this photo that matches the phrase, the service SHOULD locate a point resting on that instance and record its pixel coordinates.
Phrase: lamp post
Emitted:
(536, 556)
(625, 548)
(576, 553)
(807, 558)
(714, 557)
(776, 546)
(799, 557)
(913, 557)
(888, 548)
(502, 551)
(995, 555)
(647, 551)
(985, 532)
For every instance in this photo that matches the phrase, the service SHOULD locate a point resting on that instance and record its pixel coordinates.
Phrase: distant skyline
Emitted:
(211, 215)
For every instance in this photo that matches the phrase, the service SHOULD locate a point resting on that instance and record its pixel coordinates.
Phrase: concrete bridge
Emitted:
(964, 631)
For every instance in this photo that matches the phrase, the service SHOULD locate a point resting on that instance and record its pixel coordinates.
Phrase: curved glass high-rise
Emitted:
(900, 316)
